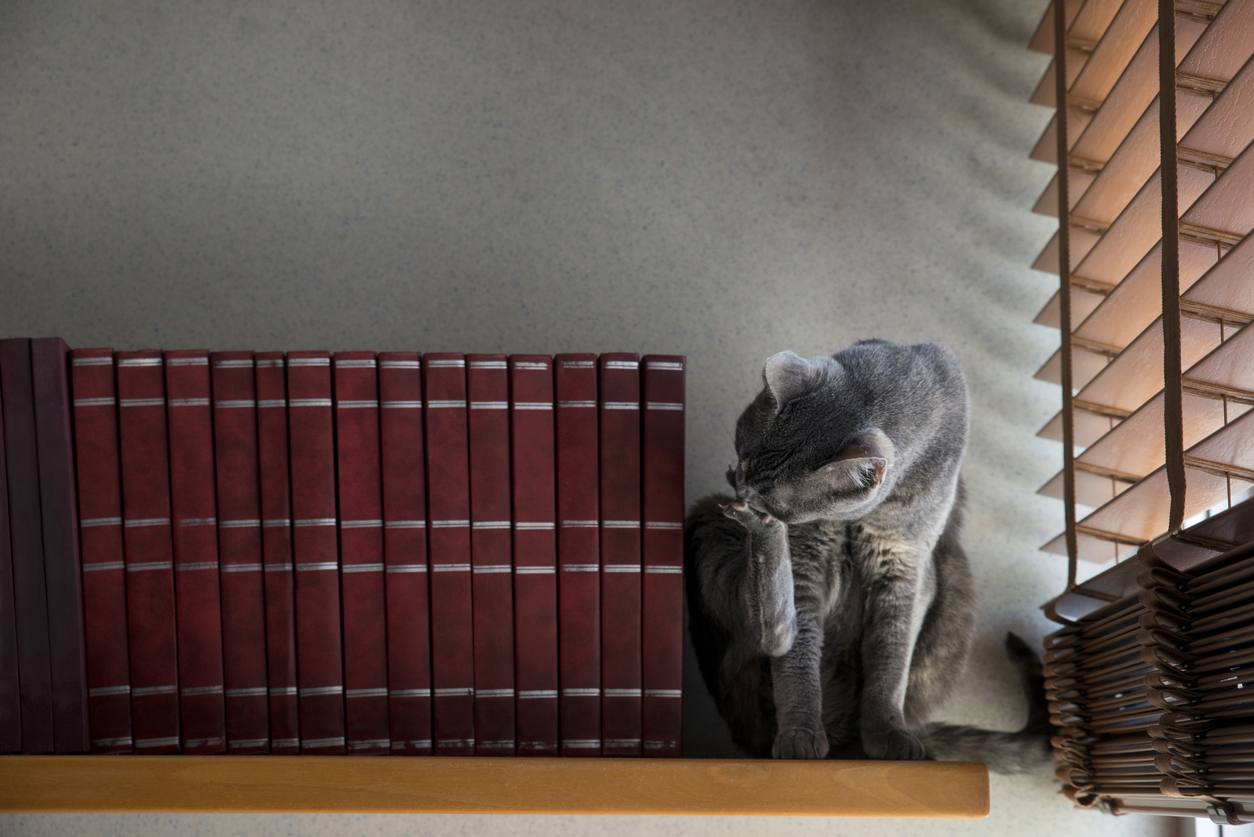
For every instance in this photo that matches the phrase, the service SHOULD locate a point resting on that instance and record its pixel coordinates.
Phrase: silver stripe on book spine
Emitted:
(92, 361)
(665, 366)
(104, 565)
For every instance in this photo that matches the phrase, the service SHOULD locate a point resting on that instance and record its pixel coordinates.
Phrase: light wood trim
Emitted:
(275, 784)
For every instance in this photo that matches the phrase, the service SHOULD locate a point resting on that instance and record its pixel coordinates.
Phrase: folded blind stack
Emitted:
(323, 553)
(1152, 136)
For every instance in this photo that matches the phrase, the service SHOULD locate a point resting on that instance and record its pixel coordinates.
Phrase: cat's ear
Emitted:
(789, 375)
(862, 464)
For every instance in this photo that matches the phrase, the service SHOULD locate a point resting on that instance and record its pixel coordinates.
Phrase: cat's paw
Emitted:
(754, 521)
(800, 742)
(894, 745)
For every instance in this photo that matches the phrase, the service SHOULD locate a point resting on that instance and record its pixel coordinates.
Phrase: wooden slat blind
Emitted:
(1153, 136)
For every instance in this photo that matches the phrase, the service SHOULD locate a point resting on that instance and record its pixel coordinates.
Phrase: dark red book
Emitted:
(194, 523)
(100, 543)
(276, 551)
(10, 689)
(239, 553)
(487, 386)
(619, 409)
(578, 552)
(149, 549)
(405, 553)
(662, 509)
(319, 662)
(361, 553)
(448, 544)
(58, 499)
(26, 533)
(535, 553)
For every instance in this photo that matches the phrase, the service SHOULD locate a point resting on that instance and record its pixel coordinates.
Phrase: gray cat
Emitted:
(831, 604)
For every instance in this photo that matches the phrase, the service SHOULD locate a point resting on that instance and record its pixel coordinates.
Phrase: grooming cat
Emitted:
(830, 601)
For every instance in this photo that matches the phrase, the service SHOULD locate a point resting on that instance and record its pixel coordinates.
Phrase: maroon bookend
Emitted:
(535, 553)
(319, 662)
(276, 551)
(578, 552)
(405, 553)
(58, 499)
(662, 511)
(149, 552)
(239, 553)
(448, 544)
(361, 553)
(26, 533)
(619, 409)
(100, 543)
(10, 689)
(487, 388)
(193, 506)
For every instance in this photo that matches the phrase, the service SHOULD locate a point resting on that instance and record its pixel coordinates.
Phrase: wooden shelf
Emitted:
(274, 784)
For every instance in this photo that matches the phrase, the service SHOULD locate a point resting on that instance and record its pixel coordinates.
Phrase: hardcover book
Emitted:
(316, 558)
(62, 575)
(27, 540)
(662, 594)
(276, 550)
(361, 553)
(239, 553)
(619, 408)
(448, 504)
(405, 553)
(535, 553)
(149, 552)
(492, 587)
(193, 505)
(577, 455)
(100, 542)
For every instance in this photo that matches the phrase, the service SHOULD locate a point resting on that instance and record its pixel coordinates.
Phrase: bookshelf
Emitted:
(296, 784)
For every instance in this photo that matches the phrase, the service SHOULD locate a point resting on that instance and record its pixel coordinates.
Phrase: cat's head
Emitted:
(806, 447)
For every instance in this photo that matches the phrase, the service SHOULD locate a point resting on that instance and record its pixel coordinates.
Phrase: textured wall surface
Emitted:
(720, 179)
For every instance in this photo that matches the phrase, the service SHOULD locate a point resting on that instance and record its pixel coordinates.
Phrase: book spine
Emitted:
(578, 552)
(103, 556)
(535, 553)
(492, 560)
(662, 594)
(276, 552)
(619, 414)
(149, 549)
(10, 688)
(239, 553)
(361, 553)
(26, 532)
(194, 513)
(62, 572)
(448, 545)
(319, 664)
(405, 553)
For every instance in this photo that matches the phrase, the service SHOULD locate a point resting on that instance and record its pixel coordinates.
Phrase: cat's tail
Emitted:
(1004, 752)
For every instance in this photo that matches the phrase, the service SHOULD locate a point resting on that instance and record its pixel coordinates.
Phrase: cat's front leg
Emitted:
(766, 592)
(892, 625)
(799, 694)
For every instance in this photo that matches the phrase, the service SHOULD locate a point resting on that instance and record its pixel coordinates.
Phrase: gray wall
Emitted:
(723, 180)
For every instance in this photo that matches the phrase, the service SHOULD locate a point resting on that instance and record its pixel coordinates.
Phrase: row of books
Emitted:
(315, 553)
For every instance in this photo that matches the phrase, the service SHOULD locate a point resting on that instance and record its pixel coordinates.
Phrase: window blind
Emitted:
(1151, 136)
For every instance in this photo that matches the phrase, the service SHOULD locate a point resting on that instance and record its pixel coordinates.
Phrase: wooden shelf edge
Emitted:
(310, 784)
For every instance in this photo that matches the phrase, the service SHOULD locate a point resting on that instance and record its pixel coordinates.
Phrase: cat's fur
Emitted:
(830, 601)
